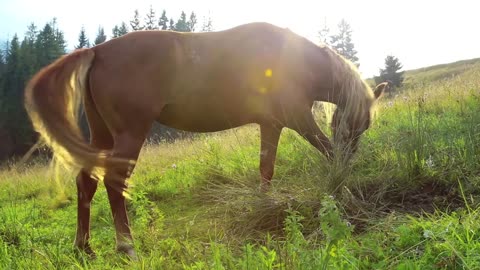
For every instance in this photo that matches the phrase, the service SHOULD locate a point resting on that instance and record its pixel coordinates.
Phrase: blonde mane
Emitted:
(358, 96)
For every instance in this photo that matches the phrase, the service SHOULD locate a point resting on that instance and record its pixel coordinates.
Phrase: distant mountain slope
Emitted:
(437, 72)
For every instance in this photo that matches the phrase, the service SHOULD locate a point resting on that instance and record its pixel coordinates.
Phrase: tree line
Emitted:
(150, 22)
(18, 62)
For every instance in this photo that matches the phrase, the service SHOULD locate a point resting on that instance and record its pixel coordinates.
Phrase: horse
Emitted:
(199, 82)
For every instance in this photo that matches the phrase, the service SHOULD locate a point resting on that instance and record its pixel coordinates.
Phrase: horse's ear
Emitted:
(380, 89)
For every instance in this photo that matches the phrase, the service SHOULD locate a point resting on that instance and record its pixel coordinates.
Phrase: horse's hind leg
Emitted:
(126, 145)
(101, 138)
(86, 187)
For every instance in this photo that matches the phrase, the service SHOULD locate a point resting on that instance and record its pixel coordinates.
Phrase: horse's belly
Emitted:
(203, 118)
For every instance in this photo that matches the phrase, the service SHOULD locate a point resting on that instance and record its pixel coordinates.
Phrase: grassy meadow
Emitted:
(409, 200)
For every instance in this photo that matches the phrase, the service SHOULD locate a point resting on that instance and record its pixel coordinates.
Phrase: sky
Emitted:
(420, 33)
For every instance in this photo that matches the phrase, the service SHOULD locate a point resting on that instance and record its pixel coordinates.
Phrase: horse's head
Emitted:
(348, 125)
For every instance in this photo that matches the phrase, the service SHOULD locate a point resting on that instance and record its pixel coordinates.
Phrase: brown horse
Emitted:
(199, 82)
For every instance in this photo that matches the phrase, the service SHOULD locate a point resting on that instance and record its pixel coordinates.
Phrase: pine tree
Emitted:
(182, 24)
(192, 22)
(2, 78)
(123, 30)
(151, 22)
(28, 59)
(13, 53)
(27, 66)
(207, 24)
(60, 45)
(324, 33)
(119, 31)
(342, 42)
(4, 132)
(135, 22)
(12, 74)
(115, 31)
(31, 33)
(50, 44)
(29, 50)
(391, 72)
(82, 40)
(171, 25)
(163, 21)
(13, 87)
(101, 37)
(2, 65)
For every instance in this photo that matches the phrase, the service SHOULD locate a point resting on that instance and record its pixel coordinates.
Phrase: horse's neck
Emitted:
(348, 92)
(333, 92)
(331, 72)
(331, 95)
(336, 81)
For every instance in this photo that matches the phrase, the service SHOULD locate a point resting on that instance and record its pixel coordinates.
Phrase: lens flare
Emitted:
(268, 73)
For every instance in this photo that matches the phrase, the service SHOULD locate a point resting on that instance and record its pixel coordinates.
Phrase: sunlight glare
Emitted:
(268, 73)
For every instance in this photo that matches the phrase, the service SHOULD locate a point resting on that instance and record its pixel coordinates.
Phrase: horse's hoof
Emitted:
(86, 250)
(129, 251)
(264, 187)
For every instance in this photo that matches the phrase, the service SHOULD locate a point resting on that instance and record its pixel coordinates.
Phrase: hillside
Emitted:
(409, 200)
(439, 72)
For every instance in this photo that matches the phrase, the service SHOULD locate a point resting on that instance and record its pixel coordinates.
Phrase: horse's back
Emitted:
(200, 81)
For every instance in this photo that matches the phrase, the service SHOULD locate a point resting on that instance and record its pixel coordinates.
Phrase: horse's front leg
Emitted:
(306, 126)
(268, 151)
